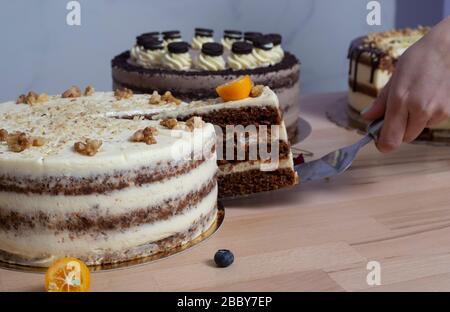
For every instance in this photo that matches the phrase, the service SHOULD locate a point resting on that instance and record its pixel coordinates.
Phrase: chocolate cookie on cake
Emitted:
(153, 63)
(373, 59)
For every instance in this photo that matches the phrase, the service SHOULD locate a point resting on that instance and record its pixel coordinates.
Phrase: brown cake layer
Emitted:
(244, 116)
(101, 184)
(283, 147)
(254, 181)
(166, 245)
(92, 222)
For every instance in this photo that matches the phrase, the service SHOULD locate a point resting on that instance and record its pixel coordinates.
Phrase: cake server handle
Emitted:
(374, 128)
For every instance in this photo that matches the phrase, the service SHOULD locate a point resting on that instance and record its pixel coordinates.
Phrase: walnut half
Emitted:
(169, 98)
(169, 123)
(3, 135)
(256, 90)
(123, 93)
(146, 136)
(89, 90)
(88, 148)
(72, 92)
(18, 142)
(31, 98)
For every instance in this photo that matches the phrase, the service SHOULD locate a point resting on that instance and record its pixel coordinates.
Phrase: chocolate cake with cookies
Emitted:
(191, 71)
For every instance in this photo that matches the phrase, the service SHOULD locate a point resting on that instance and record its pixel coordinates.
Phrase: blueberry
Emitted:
(223, 258)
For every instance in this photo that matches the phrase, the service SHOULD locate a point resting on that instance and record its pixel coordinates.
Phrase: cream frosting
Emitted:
(207, 62)
(267, 98)
(253, 165)
(51, 246)
(167, 41)
(278, 53)
(146, 58)
(265, 57)
(177, 61)
(113, 203)
(64, 121)
(242, 61)
(228, 43)
(198, 41)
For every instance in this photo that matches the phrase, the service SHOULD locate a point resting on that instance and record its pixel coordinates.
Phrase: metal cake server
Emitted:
(331, 164)
(337, 161)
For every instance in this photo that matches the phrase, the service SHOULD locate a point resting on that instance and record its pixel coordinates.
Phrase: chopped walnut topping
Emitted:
(32, 97)
(195, 122)
(89, 90)
(72, 92)
(169, 123)
(155, 98)
(3, 135)
(169, 98)
(88, 148)
(38, 141)
(123, 93)
(22, 99)
(43, 97)
(146, 135)
(256, 90)
(18, 142)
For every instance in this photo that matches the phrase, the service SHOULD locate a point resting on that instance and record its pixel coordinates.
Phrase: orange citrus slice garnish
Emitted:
(68, 275)
(235, 90)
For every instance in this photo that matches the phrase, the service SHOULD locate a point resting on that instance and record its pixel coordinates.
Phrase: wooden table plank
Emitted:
(393, 208)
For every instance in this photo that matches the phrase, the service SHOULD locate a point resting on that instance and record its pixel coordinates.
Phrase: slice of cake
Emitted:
(77, 179)
(254, 153)
(192, 72)
(372, 62)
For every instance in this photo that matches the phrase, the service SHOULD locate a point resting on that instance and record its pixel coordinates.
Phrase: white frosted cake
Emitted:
(76, 179)
(112, 176)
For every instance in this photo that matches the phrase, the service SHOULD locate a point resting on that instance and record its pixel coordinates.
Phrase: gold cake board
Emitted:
(135, 262)
(341, 114)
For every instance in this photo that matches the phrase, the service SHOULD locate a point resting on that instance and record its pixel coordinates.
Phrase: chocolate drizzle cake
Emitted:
(373, 59)
(267, 64)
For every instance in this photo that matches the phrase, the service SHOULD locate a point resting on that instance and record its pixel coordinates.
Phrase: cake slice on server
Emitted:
(373, 59)
(254, 153)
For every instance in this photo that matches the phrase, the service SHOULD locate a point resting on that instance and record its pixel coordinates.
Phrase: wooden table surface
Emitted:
(394, 209)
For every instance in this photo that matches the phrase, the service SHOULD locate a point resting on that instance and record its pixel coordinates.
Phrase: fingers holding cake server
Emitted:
(417, 94)
(406, 114)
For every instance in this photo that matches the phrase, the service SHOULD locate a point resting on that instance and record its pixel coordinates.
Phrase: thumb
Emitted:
(378, 107)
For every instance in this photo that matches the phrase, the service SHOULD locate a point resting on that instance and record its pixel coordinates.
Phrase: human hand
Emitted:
(418, 94)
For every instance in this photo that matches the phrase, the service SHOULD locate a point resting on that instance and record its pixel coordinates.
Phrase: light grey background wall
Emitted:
(40, 52)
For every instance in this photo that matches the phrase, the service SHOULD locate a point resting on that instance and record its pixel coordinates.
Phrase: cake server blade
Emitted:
(338, 161)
